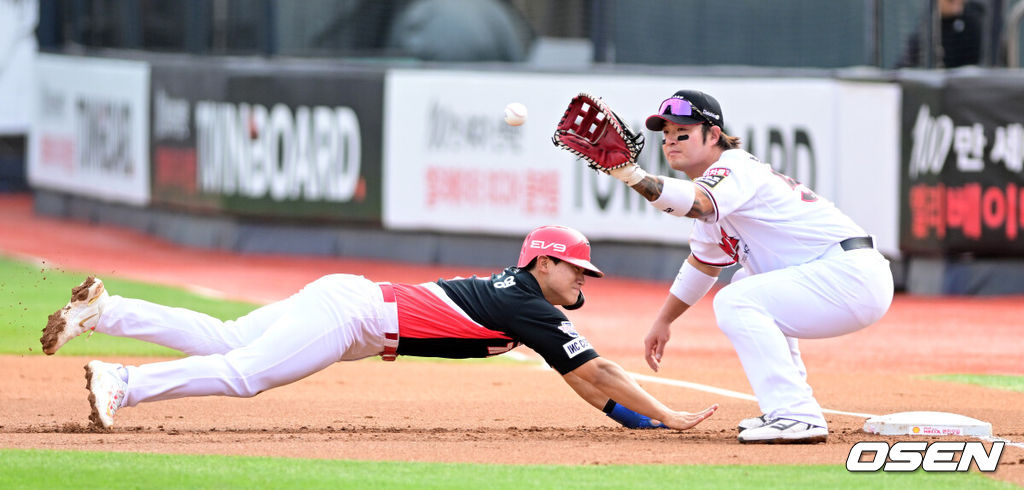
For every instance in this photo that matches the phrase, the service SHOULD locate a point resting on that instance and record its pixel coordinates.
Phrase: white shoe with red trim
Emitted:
(81, 314)
(106, 392)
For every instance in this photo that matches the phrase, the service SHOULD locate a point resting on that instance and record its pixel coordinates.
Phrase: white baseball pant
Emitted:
(338, 317)
(763, 315)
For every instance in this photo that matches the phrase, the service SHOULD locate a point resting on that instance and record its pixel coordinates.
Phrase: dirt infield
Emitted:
(412, 410)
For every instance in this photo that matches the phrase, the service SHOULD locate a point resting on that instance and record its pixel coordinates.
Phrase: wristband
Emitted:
(691, 284)
(629, 418)
(630, 174)
(677, 196)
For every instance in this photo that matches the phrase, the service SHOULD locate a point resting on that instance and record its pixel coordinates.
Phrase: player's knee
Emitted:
(242, 387)
(245, 379)
(726, 299)
(249, 386)
(733, 307)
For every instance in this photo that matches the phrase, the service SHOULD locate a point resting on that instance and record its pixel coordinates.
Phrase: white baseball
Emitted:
(515, 114)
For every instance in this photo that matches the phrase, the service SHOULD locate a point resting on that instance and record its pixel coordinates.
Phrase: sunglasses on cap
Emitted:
(676, 106)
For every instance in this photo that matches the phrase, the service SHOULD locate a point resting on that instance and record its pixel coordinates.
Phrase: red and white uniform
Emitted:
(797, 280)
(341, 317)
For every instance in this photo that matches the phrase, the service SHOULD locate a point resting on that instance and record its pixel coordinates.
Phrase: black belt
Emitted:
(857, 242)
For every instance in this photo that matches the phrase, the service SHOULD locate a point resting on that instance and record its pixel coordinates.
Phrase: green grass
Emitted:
(998, 381)
(67, 469)
(29, 293)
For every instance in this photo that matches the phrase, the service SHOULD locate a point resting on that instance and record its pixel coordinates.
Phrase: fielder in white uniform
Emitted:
(808, 271)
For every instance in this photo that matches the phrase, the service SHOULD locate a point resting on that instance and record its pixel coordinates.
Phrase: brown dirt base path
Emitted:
(412, 410)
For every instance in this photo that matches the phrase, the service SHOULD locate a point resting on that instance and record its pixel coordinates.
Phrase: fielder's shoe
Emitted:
(106, 392)
(80, 314)
(752, 423)
(785, 431)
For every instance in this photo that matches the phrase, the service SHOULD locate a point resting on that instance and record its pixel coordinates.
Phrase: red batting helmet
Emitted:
(560, 242)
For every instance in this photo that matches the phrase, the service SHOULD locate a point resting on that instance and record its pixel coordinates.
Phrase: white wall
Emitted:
(451, 163)
(18, 48)
(90, 131)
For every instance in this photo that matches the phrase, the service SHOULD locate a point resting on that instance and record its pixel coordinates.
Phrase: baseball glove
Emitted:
(595, 133)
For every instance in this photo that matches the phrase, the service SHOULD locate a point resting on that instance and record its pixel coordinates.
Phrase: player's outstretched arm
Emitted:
(624, 416)
(678, 202)
(597, 135)
(692, 283)
(609, 378)
(585, 390)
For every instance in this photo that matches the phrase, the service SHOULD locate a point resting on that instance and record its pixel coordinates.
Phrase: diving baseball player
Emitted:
(342, 317)
(808, 271)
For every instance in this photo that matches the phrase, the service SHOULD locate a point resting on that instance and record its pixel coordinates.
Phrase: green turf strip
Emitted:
(70, 469)
(998, 381)
(30, 293)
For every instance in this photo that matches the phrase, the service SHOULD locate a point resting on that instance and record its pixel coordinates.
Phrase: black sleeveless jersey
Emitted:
(480, 317)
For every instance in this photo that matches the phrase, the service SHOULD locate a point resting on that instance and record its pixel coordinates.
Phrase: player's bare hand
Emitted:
(654, 344)
(686, 420)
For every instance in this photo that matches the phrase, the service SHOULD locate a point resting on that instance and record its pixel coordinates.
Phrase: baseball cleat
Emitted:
(106, 392)
(752, 423)
(785, 431)
(82, 313)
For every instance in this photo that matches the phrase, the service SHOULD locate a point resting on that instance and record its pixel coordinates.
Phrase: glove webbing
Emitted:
(584, 157)
(633, 141)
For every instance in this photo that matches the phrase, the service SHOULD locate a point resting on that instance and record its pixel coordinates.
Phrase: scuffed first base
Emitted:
(927, 424)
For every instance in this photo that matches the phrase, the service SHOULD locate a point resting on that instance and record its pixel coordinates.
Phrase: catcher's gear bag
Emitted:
(595, 133)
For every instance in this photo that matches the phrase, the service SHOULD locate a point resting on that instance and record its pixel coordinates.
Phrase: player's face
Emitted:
(564, 282)
(684, 146)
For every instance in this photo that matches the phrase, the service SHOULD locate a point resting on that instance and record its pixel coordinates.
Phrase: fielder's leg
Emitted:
(794, 353)
(825, 298)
